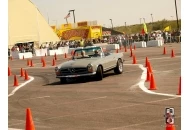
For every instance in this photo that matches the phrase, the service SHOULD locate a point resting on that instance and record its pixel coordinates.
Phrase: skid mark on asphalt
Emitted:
(158, 58)
(137, 104)
(34, 67)
(20, 86)
(35, 98)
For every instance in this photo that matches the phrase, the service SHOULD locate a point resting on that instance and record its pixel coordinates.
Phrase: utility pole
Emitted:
(176, 15)
(152, 18)
(111, 23)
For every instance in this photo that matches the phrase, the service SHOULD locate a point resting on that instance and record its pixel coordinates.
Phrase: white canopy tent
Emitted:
(26, 24)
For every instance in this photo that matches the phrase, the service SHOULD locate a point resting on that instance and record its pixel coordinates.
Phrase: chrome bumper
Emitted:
(77, 75)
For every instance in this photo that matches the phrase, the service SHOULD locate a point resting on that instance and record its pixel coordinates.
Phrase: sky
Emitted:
(120, 11)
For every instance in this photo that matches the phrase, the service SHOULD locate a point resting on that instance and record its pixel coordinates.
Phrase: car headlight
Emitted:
(90, 68)
(56, 69)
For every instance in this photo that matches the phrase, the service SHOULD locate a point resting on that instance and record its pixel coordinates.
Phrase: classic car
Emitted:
(89, 61)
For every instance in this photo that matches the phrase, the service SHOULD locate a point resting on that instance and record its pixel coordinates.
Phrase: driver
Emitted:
(96, 53)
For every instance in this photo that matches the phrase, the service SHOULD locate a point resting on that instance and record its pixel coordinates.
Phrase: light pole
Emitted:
(73, 14)
(176, 15)
(152, 18)
(144, 20)
(125, 25)
(111, 23)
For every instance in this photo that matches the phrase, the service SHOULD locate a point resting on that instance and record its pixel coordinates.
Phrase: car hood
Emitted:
(77, 63)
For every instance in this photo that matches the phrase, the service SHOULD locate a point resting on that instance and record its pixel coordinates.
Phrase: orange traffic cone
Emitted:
(172, 54)
(179, 89)
(134, 59)
(125, 49)
(149, 66)
(146, 62)
(131, 53)
(65, 55)
(152, 83)
(148, 75)
(55, 56)
(23, 57)
(43, 63)
(26, 76)
(53, 62)
(9, 71)
(15, 81)
(170, 127)
(134, 47)
(164, 52)
(130, 48)
(29, 120)
(28, 62)
(21, 73)
(116, 50)
(31, 64)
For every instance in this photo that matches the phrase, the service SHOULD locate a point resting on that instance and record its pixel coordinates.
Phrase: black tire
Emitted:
(63, 80)
(119, 68)
(99, 73)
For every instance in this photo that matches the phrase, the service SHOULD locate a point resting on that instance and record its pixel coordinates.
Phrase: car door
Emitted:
(108, 61)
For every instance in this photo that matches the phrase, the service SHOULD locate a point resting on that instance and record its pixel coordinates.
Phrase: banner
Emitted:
(75, 34)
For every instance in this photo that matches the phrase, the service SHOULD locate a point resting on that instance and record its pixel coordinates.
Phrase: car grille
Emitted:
(71, 71)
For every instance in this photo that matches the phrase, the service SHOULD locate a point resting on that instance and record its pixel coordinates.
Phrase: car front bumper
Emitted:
(76, 75)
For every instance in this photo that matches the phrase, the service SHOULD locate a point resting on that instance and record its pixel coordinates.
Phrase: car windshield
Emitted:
(87, 53)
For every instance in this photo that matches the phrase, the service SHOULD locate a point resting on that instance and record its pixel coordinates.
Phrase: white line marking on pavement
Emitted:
(14, 129)
(142, 82)
(18, 87)
(143, 103)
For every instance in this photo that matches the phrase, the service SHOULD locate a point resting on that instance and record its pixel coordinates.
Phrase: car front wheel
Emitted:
(99, 73)
(119, 67)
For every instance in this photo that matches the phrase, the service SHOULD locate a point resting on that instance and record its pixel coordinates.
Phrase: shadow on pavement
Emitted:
(80, 80)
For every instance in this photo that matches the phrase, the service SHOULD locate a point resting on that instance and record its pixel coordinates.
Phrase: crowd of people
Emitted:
(125, 40)
(128, 39)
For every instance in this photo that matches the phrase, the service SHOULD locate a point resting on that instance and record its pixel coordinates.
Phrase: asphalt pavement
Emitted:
(118, 102)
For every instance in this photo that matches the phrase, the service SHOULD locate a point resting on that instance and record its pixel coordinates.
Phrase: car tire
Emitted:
(63, 80)
(119, 68)
(99, 73)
